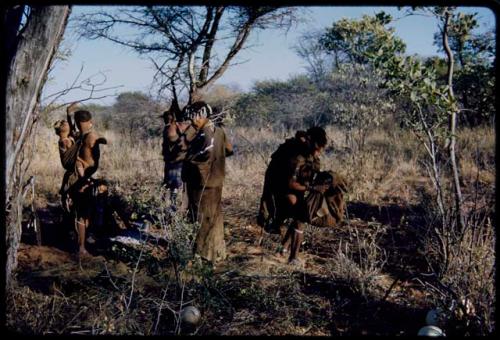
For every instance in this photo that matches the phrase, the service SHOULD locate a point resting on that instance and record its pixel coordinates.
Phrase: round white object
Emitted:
(190, 315)
(430, 331)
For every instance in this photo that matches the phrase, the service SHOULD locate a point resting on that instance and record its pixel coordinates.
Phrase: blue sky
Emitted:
(269, 57)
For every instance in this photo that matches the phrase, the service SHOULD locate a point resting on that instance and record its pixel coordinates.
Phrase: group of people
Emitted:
(194, 149)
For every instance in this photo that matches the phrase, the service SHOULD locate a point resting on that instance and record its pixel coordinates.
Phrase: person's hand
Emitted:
(171, 118)
(182, 126)
(70, 109)
(322, 188)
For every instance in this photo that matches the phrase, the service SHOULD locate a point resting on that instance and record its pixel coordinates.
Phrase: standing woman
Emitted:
(204, 171)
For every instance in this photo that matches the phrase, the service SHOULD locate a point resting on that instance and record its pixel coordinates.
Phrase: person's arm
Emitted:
(202, 149)
(90, 154)
(81, 165)
(66, 143)
(69, 117)
(294, 169)
(164, 143)
(171, 130)
(294, 184)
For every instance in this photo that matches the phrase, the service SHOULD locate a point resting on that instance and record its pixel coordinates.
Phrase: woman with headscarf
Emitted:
(203, 172)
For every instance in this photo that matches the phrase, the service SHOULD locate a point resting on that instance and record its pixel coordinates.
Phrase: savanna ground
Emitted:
(366, 276)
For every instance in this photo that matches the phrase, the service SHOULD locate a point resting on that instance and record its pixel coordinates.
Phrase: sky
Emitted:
(270, 57)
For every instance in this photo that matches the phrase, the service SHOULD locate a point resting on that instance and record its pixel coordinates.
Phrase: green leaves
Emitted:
(362, 40)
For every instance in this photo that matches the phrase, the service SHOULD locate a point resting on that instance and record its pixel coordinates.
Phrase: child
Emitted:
(68, 149)
(66, 140)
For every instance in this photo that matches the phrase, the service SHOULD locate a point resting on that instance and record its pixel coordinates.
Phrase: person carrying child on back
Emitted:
(81, 161)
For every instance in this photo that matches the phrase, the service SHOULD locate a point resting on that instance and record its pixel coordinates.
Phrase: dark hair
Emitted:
(174, 112)
(179, 116)
(82, 116)
(317, 135)
(101, 181)
(300, 134)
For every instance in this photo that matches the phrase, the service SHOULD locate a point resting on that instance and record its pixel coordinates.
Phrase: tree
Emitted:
(136, 114)
(353, 43)
(475, 67)
(354, 40)
(283, 104)
(433, 112)
(222, 99)
(433, 118)
(318, 58)
(190, 46)
(32, 35)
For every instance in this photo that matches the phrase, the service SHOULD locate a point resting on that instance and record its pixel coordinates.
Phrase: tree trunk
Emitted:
(452, 127)
(30, 52)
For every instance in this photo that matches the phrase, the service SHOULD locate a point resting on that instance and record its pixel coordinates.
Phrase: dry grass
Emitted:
(385, 172)
(359, 260)
(381, 171)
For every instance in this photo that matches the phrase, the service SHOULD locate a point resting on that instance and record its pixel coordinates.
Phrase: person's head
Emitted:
(101, 185)
(168, 117)
(316, 137)
(301, 135)
(62, 128)
(173, 114)
(198, 113)
(83, 119)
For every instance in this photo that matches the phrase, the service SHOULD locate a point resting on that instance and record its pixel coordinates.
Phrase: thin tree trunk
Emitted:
(453, 124)
(26, 73)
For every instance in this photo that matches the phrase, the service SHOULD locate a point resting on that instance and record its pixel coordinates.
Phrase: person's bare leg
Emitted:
(287, 238)
(283, 231)
(81, 228)
(296, 240)
(185, 200)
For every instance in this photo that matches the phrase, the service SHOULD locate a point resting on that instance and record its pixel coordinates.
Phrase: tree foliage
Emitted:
(354, 41)
(433, 118)
(474, 55)
(136, 114)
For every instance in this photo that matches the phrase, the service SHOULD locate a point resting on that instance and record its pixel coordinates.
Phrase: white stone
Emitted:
(190, 315)
(430, 331)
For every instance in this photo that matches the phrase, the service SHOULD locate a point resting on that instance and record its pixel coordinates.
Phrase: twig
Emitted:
(134, 273)
(179, 320)
(386, 295)
(74, 317)
(62, 295)
(160, 308)
(109, 276)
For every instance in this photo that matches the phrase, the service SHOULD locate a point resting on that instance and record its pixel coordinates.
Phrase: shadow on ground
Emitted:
(358, 314)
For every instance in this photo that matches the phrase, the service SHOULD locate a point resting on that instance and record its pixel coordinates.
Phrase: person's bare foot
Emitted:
(296, 262)
(282, 252)
(83, 253)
